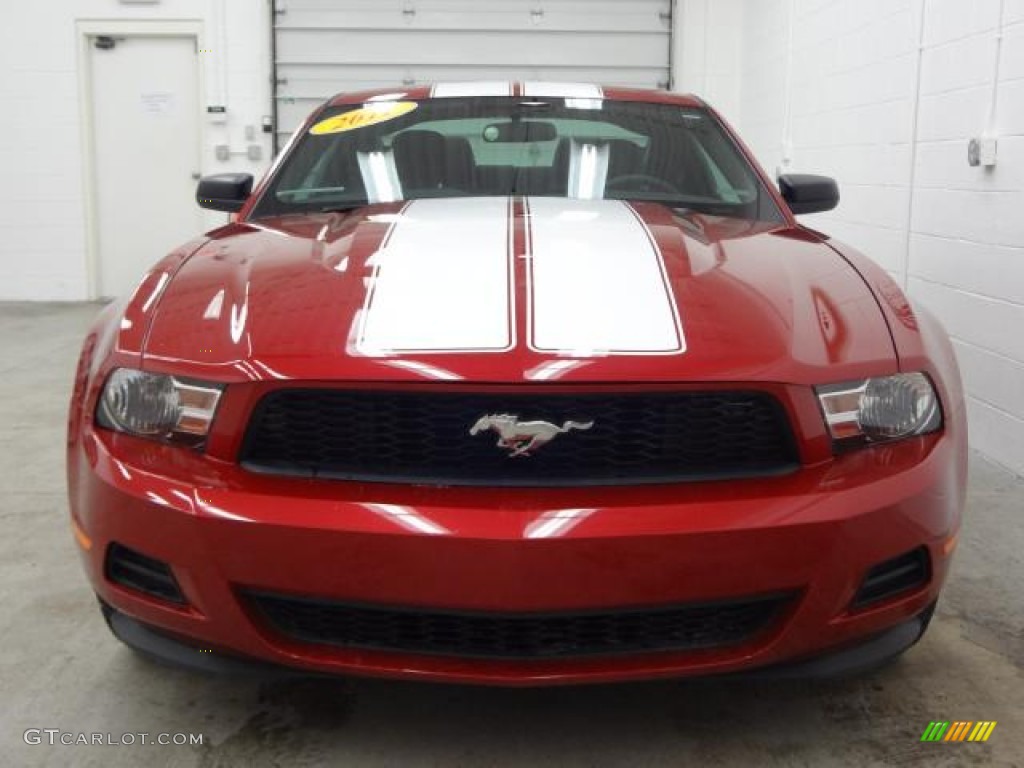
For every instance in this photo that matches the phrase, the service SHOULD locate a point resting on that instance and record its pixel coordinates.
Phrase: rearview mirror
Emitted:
(224, 191)
(520, 132)
(807, 193)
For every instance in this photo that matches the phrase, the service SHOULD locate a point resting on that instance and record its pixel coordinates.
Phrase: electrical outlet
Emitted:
(981, 151)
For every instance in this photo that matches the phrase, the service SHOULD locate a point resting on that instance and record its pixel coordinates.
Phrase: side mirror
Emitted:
(224, 191)
(806, 193)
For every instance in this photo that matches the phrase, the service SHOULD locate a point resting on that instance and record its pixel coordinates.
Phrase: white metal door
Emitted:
(326, 46)
(145, 129)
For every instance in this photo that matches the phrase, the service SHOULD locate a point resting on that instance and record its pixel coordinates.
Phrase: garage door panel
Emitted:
(413, 47)
(324, 47)
(509, 15)
(310, 81)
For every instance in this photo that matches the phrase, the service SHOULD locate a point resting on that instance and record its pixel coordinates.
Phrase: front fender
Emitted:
(922, 344)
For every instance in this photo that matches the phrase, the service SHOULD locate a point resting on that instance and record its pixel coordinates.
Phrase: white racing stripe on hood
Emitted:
(597, 282)
(442, 281)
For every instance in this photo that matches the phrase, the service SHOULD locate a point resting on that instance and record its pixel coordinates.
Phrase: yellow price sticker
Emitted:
(370, 114)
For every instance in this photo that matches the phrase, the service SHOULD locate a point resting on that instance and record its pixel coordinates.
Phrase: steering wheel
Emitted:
(651, 181)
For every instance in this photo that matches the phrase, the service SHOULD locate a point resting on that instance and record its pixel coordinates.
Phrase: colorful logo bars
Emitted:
(959, 730)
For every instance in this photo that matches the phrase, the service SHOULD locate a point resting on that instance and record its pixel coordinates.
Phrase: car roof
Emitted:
(540, 89)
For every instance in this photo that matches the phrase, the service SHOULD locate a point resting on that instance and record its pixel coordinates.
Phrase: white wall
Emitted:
(884, 95)
(707, 53)
(966, 255)
(42, 211)
(830, 87)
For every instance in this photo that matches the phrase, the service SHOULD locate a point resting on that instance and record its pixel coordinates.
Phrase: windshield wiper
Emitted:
(689, 205)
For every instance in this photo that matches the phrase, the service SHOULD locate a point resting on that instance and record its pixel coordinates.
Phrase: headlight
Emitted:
(158, 406)
(886, 408)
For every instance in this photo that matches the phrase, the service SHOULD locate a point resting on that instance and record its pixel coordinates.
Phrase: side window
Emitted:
(723, 188)
(302, 169)
(733, 180)
(326, 170)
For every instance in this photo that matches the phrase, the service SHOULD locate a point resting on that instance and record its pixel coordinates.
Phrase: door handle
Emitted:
(196, 175)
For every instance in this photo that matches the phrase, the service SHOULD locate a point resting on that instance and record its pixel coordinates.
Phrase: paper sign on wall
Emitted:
(157, 103)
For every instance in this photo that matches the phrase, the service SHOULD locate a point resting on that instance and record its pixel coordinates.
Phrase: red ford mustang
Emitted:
(517, 383)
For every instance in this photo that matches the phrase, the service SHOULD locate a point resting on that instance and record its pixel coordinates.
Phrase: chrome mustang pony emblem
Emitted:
(523, 437)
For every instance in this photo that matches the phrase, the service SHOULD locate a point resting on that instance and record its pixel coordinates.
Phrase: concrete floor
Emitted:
(61, 669)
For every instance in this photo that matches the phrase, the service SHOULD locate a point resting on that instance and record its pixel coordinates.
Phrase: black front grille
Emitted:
(537, 636)
(142, 573)
(894, 577)
(422, 437)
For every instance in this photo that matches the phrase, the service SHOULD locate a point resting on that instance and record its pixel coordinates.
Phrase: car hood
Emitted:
(514, 290)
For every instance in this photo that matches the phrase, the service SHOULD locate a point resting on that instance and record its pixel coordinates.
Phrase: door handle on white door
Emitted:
(196, 175)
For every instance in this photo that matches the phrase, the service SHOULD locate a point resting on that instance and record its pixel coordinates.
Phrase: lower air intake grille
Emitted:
(136, 571)
(591, 438)
(901, 574)
(535, 636)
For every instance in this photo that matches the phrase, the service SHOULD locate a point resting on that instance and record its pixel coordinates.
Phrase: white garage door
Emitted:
(326, 46)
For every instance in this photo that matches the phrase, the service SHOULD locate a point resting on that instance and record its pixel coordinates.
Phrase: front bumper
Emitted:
(814, 533)
(866, 655)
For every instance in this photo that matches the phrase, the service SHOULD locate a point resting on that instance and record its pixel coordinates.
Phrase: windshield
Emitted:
(389, 151)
